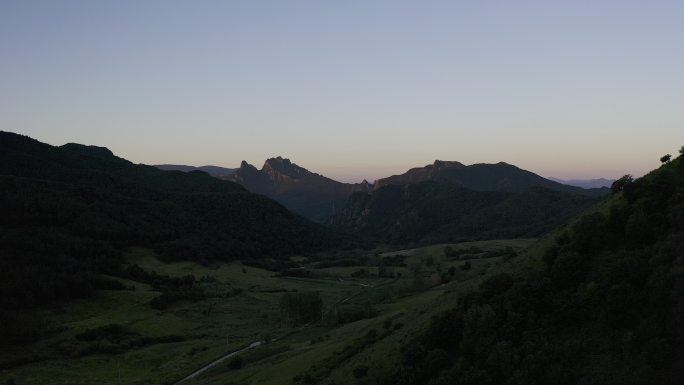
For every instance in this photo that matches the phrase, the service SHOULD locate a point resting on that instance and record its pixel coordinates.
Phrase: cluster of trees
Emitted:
(301, 307)
(606, 306)
(344, 313)
(476, 252)
(111, 339)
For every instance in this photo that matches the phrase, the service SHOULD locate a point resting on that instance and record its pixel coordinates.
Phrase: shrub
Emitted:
(235, 363)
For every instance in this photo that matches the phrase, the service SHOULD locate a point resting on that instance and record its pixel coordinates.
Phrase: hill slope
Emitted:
(300, 190)
(603, 304)
(69, 210)
(431, 212)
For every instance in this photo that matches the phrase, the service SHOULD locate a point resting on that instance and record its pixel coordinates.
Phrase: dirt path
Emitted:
(218, 361)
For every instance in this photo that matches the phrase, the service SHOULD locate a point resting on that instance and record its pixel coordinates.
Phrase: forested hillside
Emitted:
(429, 212)
(603, 305)
(68, 211)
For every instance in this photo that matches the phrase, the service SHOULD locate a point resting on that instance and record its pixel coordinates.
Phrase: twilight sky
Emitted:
(351, 89)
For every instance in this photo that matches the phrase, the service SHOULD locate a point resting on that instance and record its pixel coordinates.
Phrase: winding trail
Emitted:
(218, 361)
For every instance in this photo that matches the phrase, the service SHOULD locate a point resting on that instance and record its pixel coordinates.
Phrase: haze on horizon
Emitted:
(351, 89)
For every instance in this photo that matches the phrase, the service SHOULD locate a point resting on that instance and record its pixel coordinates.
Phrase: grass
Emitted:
(240, 319)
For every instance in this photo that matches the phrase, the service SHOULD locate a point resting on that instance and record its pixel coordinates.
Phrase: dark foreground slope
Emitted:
(430, 212)
(68, 212)
(604, 304)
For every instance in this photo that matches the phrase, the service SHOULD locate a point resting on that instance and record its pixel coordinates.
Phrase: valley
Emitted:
(241, 307)
(112, 273)
(341, 192)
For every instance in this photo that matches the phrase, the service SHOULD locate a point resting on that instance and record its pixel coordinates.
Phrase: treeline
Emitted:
(473, 252)
(301, 307)
(606, 306)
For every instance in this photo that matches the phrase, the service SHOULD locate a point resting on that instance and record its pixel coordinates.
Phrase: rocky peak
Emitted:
(366, 186)
(280, 167)
(246, 166)
(442, 164)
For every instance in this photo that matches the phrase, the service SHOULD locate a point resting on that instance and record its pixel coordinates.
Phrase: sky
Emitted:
(351, 89)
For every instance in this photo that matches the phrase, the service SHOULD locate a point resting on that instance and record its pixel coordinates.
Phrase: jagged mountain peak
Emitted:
(279, 166)
(302, 191)
(244, 165)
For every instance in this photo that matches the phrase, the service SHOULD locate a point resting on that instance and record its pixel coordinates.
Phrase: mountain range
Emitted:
(83, 202)
(300, 190)
(320, 198)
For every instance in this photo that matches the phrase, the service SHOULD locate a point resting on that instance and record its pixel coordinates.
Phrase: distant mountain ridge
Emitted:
(310, 194)
(586, 183)
(482, 177)
(450, 201)
(219, 172)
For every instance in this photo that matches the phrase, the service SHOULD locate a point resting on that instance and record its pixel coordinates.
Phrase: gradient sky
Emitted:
(351, 89)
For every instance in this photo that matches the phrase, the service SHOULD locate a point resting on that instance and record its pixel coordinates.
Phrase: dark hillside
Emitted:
(430, 212)
(68, 211)
(603, 305)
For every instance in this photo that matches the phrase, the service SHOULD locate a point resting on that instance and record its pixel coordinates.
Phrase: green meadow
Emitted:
(392, 294)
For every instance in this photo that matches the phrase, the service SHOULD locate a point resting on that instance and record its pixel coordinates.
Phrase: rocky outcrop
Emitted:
(302, 191)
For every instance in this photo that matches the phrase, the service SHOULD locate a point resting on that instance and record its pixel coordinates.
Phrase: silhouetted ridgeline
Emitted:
(500, 176)
(603, 305)
(216, 171)
(300, 190)
(68, 211)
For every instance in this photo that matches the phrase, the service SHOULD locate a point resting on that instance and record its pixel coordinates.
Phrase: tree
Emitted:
(665, 158)
(429, 261)
(620, 184)
(302, 307)
(361, 371)
(681, 150)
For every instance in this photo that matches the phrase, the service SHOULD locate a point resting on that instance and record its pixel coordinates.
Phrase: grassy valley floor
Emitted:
(117, 337)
